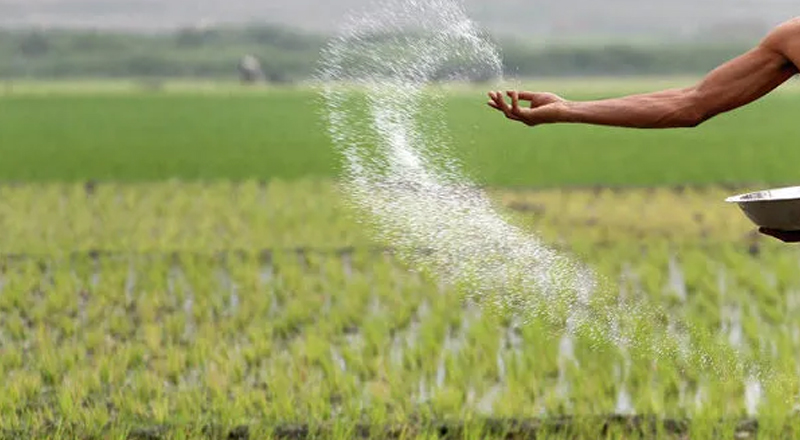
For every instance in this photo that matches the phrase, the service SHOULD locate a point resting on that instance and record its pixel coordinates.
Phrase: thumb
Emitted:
(539, 98)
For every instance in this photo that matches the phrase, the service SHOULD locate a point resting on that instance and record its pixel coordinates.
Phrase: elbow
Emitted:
(693, 110)
(685, 117)
(694, 120)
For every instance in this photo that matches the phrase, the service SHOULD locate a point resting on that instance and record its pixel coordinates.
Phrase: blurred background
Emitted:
(204, 39)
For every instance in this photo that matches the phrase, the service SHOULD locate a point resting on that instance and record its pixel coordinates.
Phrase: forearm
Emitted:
(667, 109)
(730, 86)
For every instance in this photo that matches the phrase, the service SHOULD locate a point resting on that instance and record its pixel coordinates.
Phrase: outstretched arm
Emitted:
(730, 86)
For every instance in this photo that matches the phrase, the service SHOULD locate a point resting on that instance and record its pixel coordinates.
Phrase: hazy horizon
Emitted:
(566, 18)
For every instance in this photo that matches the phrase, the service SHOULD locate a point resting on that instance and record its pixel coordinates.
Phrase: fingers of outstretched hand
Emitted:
(499, 102)
(492, 100)
(784, 236)
(515, 103)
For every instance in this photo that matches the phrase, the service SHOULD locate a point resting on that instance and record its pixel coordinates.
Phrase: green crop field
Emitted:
(182, 264)
(229, 133)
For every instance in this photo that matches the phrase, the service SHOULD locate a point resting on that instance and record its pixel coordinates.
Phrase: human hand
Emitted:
(543, 108)
(784, 236)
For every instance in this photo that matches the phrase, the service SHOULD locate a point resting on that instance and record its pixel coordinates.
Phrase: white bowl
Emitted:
(777, 209)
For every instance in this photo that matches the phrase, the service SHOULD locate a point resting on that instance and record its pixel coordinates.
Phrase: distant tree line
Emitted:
(288, 55)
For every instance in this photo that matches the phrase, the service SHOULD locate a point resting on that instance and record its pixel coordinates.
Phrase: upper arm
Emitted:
(749, 76)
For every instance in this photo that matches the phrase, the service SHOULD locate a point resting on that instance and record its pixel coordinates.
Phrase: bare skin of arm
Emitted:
(728, 87)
